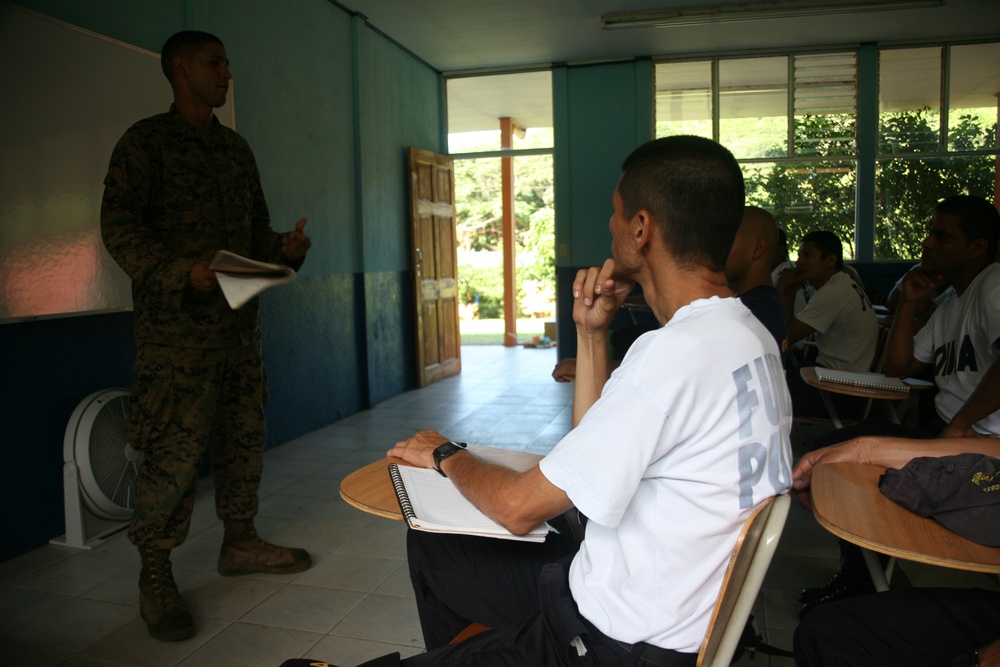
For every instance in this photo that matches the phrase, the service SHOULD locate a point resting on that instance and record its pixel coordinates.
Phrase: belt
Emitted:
(660, 657)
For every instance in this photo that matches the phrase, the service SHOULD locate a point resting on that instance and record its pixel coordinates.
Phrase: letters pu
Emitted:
(754, 392)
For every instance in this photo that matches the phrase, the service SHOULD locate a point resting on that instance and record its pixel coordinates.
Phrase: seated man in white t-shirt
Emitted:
(839, 316)
(667, 466)
(961, 340)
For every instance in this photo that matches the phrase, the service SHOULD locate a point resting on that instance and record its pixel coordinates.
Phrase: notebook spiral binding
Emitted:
(401, 495)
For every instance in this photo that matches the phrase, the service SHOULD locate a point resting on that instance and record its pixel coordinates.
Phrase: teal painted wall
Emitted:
(392, 109)
(602, 113)
(329, 107)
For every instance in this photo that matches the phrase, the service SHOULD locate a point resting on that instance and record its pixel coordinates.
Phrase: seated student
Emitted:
(961, 338)
(748, 270)
(839, 316)
(666, 466)
(906, 627)
(959, 345)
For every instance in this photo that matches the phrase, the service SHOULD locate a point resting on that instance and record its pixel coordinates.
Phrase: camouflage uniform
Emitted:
(174, 195)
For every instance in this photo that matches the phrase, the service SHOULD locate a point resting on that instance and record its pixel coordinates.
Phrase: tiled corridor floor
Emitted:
(61, 606)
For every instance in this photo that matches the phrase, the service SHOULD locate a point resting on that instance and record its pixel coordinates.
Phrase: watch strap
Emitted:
(443, 451)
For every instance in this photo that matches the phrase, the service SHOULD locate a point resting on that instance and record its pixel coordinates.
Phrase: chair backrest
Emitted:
(878, 362)
(744, 576)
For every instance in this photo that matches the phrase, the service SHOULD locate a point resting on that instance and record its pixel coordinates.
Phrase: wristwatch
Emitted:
(445, 450)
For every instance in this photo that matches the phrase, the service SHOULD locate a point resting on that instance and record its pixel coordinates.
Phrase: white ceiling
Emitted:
(479, 36)
(458, 35)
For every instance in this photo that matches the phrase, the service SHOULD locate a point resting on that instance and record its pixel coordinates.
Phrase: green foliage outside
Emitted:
(818, 190)
(819, 193)
(480, 216)
(813, 190)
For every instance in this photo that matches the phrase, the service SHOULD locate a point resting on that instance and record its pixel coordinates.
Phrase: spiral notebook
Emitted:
(864, 380)
(432, 503)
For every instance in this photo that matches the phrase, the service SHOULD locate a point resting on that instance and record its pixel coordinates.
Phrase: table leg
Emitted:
(880, 577)
(832, 411)
(891, 413)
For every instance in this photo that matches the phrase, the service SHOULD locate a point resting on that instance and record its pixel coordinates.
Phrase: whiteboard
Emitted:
(69, 96)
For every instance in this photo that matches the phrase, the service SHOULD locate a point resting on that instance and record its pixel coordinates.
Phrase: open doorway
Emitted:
(500, 135)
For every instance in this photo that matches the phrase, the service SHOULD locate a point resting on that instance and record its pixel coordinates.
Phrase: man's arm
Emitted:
(517, 501)
(885, 452)
(597, 296)
(984, 401)
(797, 330)
(788, 285)
(129, 186)
(899, 360)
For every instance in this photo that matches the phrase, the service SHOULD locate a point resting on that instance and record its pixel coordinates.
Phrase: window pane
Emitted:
(805, 197)
(825, 104)
(909, 100)
(476, 105)
(972, 97)
(753, 106)
(684, 99)
(908, 190)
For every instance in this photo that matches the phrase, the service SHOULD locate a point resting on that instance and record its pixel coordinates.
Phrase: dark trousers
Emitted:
(518, 589)
(915, 627)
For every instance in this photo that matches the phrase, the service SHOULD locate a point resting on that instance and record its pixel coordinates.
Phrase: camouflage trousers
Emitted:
(186, 401)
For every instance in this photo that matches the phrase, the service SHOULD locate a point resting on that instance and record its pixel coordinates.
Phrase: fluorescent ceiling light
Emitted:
(753, 11)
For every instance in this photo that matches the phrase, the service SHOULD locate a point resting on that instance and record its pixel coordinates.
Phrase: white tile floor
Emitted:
(61, 606)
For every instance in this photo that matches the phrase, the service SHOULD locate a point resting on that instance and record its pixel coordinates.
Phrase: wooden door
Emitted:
(435, 265)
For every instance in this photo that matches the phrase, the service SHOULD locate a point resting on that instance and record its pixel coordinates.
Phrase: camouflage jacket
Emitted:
(174, 195)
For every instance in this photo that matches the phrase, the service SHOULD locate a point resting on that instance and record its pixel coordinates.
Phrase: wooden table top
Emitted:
(847, 502)
(808, 374)
(369, 489)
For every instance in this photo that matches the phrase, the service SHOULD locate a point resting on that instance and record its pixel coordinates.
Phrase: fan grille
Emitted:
(114, 463)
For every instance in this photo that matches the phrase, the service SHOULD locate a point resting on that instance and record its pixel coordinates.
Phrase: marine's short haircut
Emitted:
(828, 244)
(183, 43)
(977, 218)
(693, 188)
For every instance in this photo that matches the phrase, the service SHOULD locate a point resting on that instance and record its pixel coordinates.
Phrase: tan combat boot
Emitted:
(160, 603)
(243, 552)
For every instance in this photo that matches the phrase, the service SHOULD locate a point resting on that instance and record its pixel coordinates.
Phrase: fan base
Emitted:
(95, 533)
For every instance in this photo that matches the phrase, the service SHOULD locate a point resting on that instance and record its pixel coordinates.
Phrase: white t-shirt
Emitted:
(845, 323)
(689, 435)
(960, 341)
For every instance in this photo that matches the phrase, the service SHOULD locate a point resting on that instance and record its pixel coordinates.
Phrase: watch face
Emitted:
(446, 450)
(443, 451)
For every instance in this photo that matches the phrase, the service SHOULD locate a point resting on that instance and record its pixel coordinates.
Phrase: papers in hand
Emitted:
(866, 380)
(241, 278)
(432, 503)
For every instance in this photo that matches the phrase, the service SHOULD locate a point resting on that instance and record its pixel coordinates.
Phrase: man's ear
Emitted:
(979, 248)
(759, 248)
(643, 229)
(180, 67)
